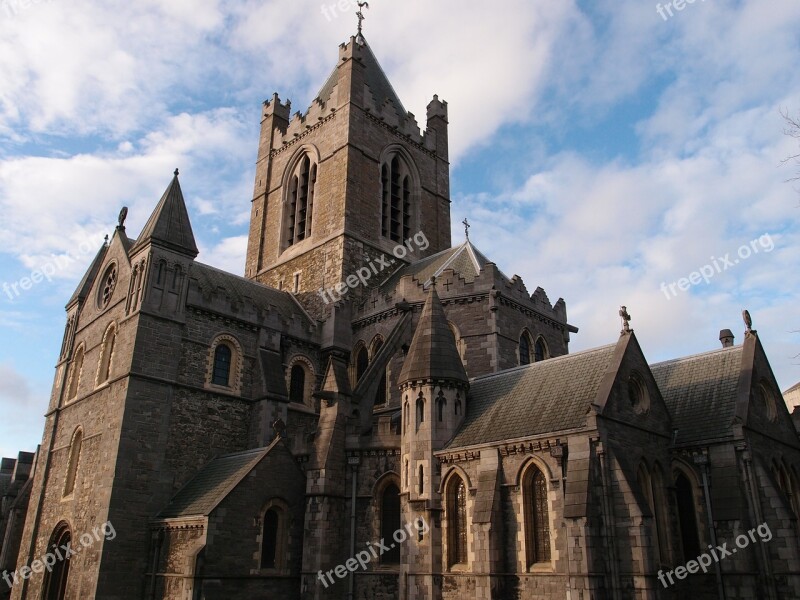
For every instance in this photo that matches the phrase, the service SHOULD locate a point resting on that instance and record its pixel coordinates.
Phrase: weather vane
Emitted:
(361, 17)
(466, 227)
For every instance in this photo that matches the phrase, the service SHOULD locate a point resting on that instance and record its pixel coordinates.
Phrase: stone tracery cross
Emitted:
(626, 319)
(466, 224)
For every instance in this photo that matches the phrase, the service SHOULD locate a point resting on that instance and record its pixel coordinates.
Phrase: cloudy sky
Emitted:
(600, 150)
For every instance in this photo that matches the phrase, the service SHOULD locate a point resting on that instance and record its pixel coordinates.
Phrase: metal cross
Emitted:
(361, 17)
(466, 227)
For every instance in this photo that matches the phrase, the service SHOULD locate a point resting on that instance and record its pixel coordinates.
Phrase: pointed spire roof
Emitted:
(433, 353)
(374, 76)
(169, 225)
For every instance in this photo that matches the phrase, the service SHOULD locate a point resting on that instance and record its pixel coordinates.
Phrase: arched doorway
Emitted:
(55, 584)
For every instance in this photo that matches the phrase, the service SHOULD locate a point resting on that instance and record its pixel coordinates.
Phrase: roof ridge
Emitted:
(695, 356)
(545, 362)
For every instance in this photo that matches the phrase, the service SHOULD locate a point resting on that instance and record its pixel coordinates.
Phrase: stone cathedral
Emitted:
(375, 412)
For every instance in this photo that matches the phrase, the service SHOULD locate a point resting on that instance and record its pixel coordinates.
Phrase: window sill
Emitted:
(543, 567)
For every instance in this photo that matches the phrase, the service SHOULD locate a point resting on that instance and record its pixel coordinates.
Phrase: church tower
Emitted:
(434, 388)
(345, 185)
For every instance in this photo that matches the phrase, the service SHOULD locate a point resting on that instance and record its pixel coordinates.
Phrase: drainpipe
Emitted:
(354, 462)
(702, 461)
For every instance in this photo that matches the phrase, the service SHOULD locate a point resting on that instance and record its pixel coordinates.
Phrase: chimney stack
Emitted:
(726, 337)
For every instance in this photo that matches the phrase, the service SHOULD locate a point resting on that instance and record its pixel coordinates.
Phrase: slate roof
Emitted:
(433, 353)
(548, 396)
(375, 78)
(169, 224)
(241, 290)
(466, 260)
(212, 484)
(700, 393)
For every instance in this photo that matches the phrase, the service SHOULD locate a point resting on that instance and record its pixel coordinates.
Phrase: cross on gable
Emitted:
(447, 285)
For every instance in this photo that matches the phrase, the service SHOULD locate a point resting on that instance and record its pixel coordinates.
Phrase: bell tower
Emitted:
(340, 187)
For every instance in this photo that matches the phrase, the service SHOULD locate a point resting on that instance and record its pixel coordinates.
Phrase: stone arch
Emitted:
(289, 239)
(234, 384)
(309, 379)
(106, 362)
(389, 153)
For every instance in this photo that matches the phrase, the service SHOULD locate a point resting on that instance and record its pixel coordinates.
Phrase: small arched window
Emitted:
(458, 404)
(537, 517)
(687, 517)
(396, 196)
(524, 349)
(161, 273)
(380, 393)
(407, 411)
(107, 354)
(457, 522)
(177, 276)
(222, 365)
(421, 481)
(74, 460)
(273, 538)
(300, 202)
(390, 522)
(441, 404)
(297, 385)
(540, 350)
(75, 374)
(420, 411)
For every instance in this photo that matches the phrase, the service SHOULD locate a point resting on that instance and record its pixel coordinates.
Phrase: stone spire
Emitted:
(433, 354)
(169, 224)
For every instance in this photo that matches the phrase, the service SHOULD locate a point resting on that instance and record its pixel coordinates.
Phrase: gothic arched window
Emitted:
(457, 522)
(107, 354)
(537, 517)
(396, 193)
(75, 448)
(362, 362)
(687, 517)
(525, 348)
(273, 538)
(55, 580)
(540, 350)
(300, 201)
(75, 373)
(420, 411)
(390, 522)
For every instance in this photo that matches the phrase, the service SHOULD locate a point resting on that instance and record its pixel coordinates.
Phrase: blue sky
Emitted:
(598, 149)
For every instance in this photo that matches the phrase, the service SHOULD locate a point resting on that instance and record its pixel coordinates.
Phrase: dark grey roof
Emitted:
(433, 353)
(169, 224)
(212, 484)
(375, 78)
(700, 393)
(466, 260)
(210, 279)
(548, 396)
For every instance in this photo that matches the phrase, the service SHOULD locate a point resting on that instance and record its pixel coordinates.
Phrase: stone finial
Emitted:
(626, 320)
(466, 224)
(748, 321)
(123, 214)
(361, 17)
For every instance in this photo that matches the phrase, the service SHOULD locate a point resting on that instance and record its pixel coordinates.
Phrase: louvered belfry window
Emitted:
(396, 200)
(301, 201)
